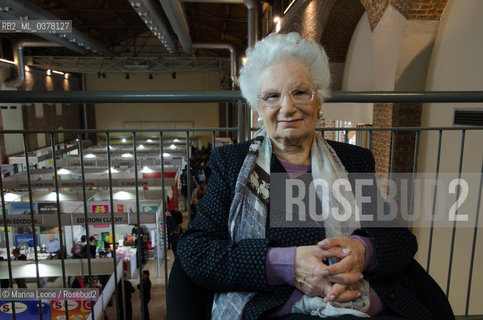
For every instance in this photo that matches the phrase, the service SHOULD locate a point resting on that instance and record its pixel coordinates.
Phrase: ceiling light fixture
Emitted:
(12, 197)
(148, 13)
(63, 171)
(8, 61)
(288, 8)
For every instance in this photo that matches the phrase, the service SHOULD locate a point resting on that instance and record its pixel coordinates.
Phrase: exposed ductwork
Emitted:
(177, 18)
(155, 23)
(225, 46)
(76, 41)
(19, 80)
(252, 16)
(174, 10)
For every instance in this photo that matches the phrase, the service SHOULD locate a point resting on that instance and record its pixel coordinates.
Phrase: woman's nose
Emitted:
(286, 104)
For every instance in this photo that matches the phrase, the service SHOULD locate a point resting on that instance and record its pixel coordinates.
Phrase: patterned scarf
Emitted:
(248, 216)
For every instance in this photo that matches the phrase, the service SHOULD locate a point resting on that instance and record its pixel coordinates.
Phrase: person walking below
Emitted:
(126, 298)
(146, 294)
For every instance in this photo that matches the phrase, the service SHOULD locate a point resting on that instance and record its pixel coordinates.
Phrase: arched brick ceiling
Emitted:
(308, 18)
(337, 35)
(410, 9)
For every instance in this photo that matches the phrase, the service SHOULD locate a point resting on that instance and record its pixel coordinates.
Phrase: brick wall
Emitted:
(338, 31)
(426, 9)
(405, 115)
(323, 123)
(381, 140)
(410, 9)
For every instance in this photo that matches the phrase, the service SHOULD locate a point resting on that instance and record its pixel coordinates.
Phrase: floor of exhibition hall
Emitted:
(157, 304)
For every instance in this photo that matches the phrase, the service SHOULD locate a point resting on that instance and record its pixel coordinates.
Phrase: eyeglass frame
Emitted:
(314, 91)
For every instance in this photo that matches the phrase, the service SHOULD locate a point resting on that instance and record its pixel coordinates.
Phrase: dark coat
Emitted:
(128, 291)
(211, 260)
(146, 290)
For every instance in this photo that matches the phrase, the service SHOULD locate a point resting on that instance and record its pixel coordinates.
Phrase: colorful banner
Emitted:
(78, 310)
(21, 207)
(26, 238)
(149, 208)
(25, 310)
(100, 208)
(120, 207)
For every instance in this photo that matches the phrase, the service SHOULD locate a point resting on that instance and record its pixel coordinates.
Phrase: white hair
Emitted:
(276, 47)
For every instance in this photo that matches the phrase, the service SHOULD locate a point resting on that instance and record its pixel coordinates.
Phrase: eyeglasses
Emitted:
(297, 95)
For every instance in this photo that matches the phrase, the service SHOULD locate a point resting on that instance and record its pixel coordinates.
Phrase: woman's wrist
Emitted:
(370, 259)
(279, 266)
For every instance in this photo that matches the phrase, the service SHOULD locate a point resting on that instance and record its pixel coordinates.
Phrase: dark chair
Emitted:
(429, 292)
(188, 301)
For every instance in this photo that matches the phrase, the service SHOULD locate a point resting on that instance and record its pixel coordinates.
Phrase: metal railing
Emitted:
(215, 96)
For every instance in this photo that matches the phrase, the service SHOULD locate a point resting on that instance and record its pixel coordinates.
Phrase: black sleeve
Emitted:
(129, 287)
(205, 250)
(179, 217)
(395, 249)
(395, 246)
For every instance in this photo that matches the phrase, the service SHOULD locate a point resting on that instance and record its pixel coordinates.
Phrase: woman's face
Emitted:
(287, 121)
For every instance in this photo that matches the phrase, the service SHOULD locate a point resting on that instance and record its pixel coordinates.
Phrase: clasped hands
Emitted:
(333, 283)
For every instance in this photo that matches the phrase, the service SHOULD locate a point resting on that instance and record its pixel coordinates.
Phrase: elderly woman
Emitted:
(257, 270)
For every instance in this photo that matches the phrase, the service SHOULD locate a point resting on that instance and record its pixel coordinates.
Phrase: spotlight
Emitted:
(66, 75)
(49, 72)
(173, 75)
(127, 76)
(150, 76)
